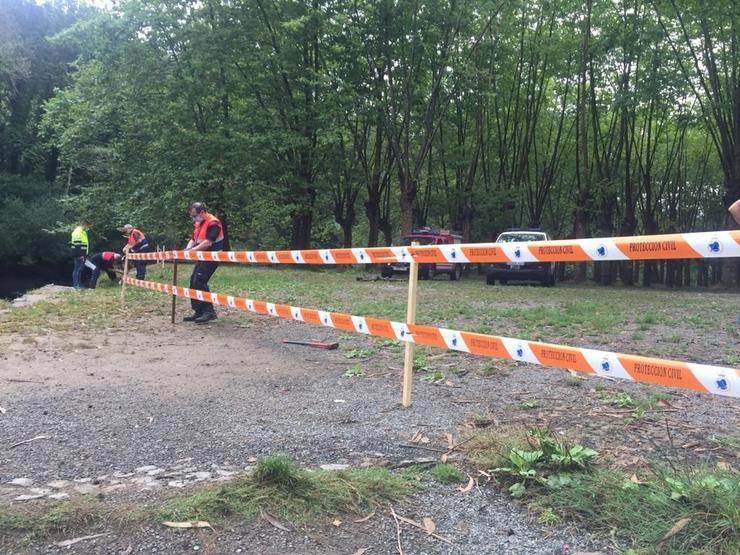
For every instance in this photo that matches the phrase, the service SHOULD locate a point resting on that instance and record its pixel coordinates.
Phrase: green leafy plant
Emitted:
(547, 460)
(621, 400)
(359, 353)
(433, 377)
(529, 405)
(421, 364)
(355, 372)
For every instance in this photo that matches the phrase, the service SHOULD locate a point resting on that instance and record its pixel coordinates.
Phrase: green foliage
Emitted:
(643, 513)
(306, 132)
(355, 372)
(280, 487)
(446, 473)
(359, 353)
(433, 377)
(277, 485)
(278, 470)
(538, 457)
(621, 400)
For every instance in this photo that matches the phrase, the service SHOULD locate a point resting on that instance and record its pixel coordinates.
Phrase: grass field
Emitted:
(690, 325)
(654, 322)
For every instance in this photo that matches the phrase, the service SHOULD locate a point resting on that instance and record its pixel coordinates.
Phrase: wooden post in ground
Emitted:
(123, 280)
(408, 360)
(174, 284)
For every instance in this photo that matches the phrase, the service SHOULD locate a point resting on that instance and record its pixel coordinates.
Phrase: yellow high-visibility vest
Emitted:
(79, 237)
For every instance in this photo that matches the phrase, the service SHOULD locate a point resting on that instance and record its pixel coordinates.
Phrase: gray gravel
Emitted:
(115, 407)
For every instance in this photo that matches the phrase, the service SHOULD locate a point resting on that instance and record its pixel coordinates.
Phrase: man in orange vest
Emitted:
(137, 242)
(208, 235)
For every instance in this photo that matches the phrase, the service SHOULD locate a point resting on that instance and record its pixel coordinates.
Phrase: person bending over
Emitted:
(137, 242)
(104, 261)
(208, 235)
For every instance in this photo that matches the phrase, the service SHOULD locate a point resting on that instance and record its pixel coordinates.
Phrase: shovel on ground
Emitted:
(315, 344)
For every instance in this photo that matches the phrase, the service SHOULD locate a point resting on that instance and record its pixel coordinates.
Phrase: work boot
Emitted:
(206, 317)
(193, 317)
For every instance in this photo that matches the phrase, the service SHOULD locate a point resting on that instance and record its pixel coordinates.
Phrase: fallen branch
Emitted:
(14, 380)
(424, 447)
(28, 441)
(274, 521)
(398, 532)
(67, 543)
(419, 526)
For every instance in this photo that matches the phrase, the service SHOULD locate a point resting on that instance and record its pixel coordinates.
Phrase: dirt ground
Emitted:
(145, 407)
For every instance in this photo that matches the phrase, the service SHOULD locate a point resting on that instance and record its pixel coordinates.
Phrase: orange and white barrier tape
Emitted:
(714, 244)
(698, 377)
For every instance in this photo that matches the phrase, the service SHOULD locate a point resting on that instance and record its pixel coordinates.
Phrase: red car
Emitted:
(427, 236)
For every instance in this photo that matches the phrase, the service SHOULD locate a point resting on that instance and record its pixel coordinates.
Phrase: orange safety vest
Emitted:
(132, 240)
(200, 228)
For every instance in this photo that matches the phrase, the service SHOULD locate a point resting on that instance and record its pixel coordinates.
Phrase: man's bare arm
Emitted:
(735, 211)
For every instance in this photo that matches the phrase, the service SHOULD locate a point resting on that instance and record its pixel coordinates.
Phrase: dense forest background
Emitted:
(348, 122)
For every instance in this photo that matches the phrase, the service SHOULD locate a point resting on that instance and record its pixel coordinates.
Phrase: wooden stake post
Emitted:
(174, 284)
(408, 361)
(123, 281)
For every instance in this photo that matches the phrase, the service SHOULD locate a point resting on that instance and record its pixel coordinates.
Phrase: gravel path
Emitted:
(124, 414)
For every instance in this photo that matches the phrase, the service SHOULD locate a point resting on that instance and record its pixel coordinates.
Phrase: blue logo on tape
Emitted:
(518, 252)
(601, 251)
(715, 246)
(722, 384)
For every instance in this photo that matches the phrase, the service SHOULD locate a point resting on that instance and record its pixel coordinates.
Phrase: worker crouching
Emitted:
(208, 235)
(104, 261)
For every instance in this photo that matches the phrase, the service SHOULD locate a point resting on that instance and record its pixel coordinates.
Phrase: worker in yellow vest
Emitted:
(80, 246)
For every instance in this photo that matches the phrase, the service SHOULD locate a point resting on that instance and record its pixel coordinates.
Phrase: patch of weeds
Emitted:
(421, 364)
(279, 486)
(731, 359)
(574, 381)
(648, 319)
(355, 372)
(359, 353)
(699, 505)
(637, 336)
(620, 399)
(545, 460)
(704, 502)
(482, 421)
(446, 473)
(391, 345)
(491, 369)
(433, 377)
(548, 517)
(675, 338)
(44, 520)
(731, 443)
(529, 405)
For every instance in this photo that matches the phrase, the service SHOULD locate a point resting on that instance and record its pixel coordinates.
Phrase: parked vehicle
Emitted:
(427, 236)
(543, 272)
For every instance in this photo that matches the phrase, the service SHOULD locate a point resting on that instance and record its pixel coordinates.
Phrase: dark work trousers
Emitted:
(79, 264)
(96, 274)
(202, 272)
(140, 265)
